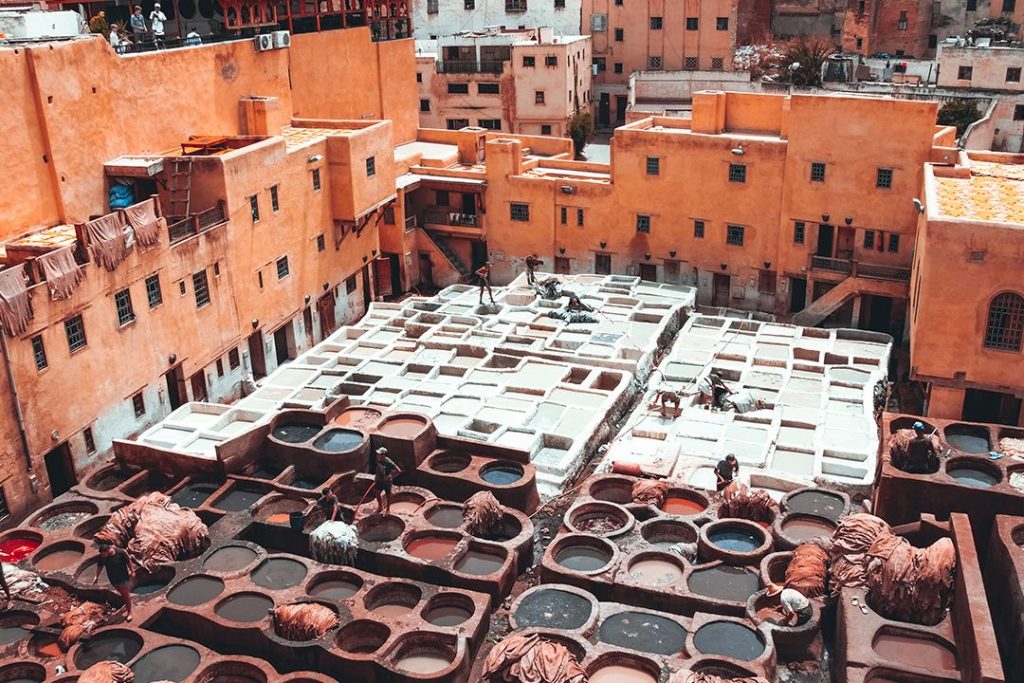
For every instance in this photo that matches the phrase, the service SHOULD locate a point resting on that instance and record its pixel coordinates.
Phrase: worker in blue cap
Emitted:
(921, 456)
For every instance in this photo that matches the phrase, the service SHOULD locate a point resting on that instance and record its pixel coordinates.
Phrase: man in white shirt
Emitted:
(156, 23)
(795, 607)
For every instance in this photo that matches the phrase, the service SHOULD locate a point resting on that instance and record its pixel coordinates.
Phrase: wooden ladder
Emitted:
(180, 187)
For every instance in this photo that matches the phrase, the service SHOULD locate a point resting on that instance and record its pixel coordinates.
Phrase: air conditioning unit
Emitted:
(282, 39)
(263, 42)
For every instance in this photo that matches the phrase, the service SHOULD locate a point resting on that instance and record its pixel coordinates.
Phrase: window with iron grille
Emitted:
(425, 105)
(601, 64)
(894, 244)
(4, 510)
(869, 239)
(545, 129)
(39, 352)
(254, 207)
(734, 235)
(457, 124)
(489, 124)
(1005, 322)
(74, 330)
(799, 232)
(321, 243)
(564, 215)
(282, 268)
(316, 179)
(690, 64)
(619, 35)
(654, 63)
(618, 67)
(656, 23)
(154, 296)
(371, 167)
(488, 88)
(1013, 74)
(220, 367)
(519, 212)
(123, 304)
(698, 229)
(529, 61)
(965, 73)
(551, 60)
(579, 217)
(350, 285)
(722, 23)
(717, 64)
(817, 172)
(202, 288)
(692, 23)
(538, 96)
(643, 223)
(515, 6)
(653, 166)
(737, 173)
(275, 203)
(901, 23)
(458, 88)
(431, 6)
(883, 178)
(139, 404)
(90, 441)
(559, 4)
(234, 360)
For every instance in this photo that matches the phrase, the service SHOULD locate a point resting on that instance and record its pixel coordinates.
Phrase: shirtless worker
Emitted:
(531, 264)
(921, 455)
(666, 396)
(384, 474)
(484, 273)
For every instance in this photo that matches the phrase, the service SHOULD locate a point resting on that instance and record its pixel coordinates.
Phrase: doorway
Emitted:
(469, 203)
(257, 359)
(649, 272)
(720, 289)
(990, 406)
(826, 241)
(283, 340)
(307, 325)
(198, 383)
(879, 313)
(479, 254)
(60, 469)
(620, 109)
(797, 294)
(604, 110)
(426, 269)
(561, 265)
(844, 245)
(175, 379)
(382, 269)
(325, 308)
(366, 288)
(603, 264)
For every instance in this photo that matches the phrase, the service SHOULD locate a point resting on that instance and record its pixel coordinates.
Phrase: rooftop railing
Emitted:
(188, 226)
(470, 66)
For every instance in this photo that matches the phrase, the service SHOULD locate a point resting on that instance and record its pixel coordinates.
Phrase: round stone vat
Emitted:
(509, 528)
(334, 585)
(277, 573)
(598, 518)
(791, 640)
(445, 515)
(553, 608)
(339, 441)
(229, 559)
(665, 533)
(919, 649)
(729, 639)
(277, 509)
(481, 560)
(974, 472)
(684, 502)
(774, 565)
(166, 663)
(59, 557)
(108, 478)
(723, 582)
(193, 494)
(195, 590)
(799, 528)
(392, 599)
(116, 645)
(612, 490)
(734, 541)
(357, 418)
(656, 569)
(375, 529)
(16, 545)
(245, 607)
(448, 609)
(362, 637)
(61, 516)
(296, 432)
(448, 462)
(714, 666)
(231, 672)
(907, 422)
(407, 503)
(423, 653)
(90, 526)
(22, 672)
(584, 554)
(15, 625)
(811, 501)
(643, 632)
(967, 438)
(147, 582)
(405, 426)
(502, 473)
(619, 667)
(432, 546)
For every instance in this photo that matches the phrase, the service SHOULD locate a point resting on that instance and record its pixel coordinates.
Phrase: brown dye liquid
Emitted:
(724, 583)
(445, 517)
(404, 507)
(230, 558)
(392, 610)
(245, 608)
(431, 547)
(403, 426)
(58, 560)
(583, 558)
(356, 418)
(338, 589)
(655, 572)
(196, 591)
(479, 564)
(927, 654)
(804, 529)
(816, 503)
(450, 615)
(423, 663)
(682, 506)
(279, 572)
(621, 674)
(168, 663)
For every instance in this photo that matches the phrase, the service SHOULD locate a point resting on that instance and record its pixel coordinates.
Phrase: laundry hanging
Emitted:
(143, 219)
(61, 271)
(15, 303)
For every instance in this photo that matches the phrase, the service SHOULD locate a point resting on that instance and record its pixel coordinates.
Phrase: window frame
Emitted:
(38, 345)
(818, 171)
(799, 232)
(315, 178)
(124, 308)
(371, 166)
(75, 326)
(139, 404)
(884, 178)
(200, 278)
(154, 292)
(721, 23)
(519, 212)
(653, 166)
(1012, 310)
(699, 228)
(731, 231)
(737, 173)
(254, 208)
(692, 23)
(282, 267)
(643, 223)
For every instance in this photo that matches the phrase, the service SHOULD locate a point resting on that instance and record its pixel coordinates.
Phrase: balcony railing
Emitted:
(442, 216)
(514, 6)
(189, 226)
(833, 265)
(858, 269)
(470, 66)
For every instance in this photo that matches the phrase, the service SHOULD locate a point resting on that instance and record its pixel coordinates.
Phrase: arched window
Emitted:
(1005, 322)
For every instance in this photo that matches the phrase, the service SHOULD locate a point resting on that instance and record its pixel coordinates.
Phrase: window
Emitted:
(618, 67)
(551, 60)
(431, 6)
(74, 329)
(692, 23)
(538, 96)
(869, 239)
(182, 290)
(259, 278)
(717, 64)
(457, 124)
(321, 243)
(419, 77)
(233, 359)
(559, 4)
(1018, 112)
(579, 218)
(90, 441)
(458, 88)
(545, 129)
(515, 6)
(220, 367)
(4, 510)
(1013, 74)
(598, 22)
(519, 212)
(734, 235)
(316, 179)
(619, 35)
(153, 293)
(894, 244)
(123, 304)
(654, 63)
(254, 208)
(817, 172)
(603, 264)
(737, 173)
(1005, 322)
(860, 43)
(799, 232)
(600, 64)
(529, 61)
(618, 3)
(371, 167)
(698, 229)
(1009, 6)
(350, 285)
(564, 215)
(216, 268)
(488, 88)
(202, 288)
(933, 41)
(282, 268)
(489, 124)
(139, 404)
(901, 24)
(653, 166)
(883, 178)
(656, 23)
(441, 198)
(469, 4)
(690, 64)
(643, 223)
(39, 352)
(965, 73)
(425, 105)
(389, 215)
(972, 5)
(722, 23)
(275, 204)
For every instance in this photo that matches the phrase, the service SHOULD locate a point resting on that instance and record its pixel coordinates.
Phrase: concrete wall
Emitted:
(452, 17)
(988, 67)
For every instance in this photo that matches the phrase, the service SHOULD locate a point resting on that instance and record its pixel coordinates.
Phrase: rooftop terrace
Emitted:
(987, 191)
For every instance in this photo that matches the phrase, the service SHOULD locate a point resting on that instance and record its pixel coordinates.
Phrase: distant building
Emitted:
(436, 18)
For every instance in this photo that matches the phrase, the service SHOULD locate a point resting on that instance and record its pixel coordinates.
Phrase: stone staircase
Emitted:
(441, 242)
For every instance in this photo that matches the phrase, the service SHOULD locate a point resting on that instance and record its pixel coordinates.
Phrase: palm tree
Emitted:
(805, 59)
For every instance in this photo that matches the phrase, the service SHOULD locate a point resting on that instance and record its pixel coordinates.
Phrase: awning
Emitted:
(134, 167)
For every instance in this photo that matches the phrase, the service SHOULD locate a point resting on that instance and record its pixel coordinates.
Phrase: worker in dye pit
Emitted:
(550, 287)
(713, 390)
(665, 397)
(120, 573)
(328, 502)
(484, 273)
(384, 474)
(796, 609)
(576, 305)
(921, 456)
(725, 471)
(531, 264)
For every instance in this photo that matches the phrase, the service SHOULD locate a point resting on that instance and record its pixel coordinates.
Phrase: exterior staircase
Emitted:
(442, 245)
(852, 286)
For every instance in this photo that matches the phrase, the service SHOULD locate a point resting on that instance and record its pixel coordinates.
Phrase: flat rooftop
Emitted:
(994, 192)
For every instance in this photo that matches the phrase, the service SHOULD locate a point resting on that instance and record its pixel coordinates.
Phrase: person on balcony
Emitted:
(484, 273)
(156, 21)
(138, 24)
(531, 264)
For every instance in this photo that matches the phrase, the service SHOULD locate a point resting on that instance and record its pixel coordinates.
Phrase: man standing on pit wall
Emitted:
(725, 471)
(921, 455)
(120, 573)
(384, 474)
(531, 264)
(484, 273)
